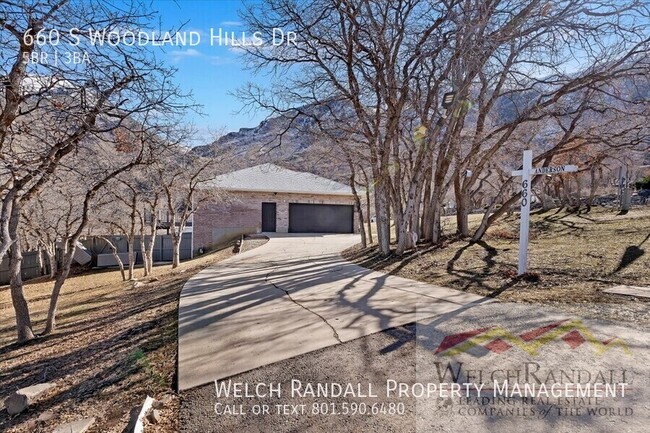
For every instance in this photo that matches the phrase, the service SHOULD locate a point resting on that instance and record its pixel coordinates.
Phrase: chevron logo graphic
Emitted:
(498, 340)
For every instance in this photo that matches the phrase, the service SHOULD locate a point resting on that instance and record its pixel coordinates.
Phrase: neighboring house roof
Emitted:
(272, 178)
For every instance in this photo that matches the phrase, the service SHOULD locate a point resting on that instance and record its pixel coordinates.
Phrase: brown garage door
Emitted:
(320, 218)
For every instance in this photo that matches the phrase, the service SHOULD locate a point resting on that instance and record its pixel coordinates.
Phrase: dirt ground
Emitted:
(573, 257)
(115, 344)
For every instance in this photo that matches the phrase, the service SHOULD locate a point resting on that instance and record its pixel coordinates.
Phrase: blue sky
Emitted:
(210, 72)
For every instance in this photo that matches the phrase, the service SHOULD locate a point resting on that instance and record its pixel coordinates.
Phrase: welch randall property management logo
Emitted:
(499, 340)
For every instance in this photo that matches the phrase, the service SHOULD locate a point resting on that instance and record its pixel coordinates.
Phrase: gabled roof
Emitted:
(272, 178)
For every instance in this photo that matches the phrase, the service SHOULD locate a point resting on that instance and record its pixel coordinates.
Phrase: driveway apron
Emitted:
(291, 296)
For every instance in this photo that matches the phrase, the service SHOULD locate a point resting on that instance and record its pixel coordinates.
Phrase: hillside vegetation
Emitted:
(573, 257)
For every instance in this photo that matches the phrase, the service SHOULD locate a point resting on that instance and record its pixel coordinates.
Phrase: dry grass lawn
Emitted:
(114, 345)
(572, 258)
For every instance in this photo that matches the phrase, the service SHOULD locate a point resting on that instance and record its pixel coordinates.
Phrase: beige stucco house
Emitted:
(269, 198)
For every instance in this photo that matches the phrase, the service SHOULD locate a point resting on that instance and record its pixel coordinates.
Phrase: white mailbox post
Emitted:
(526, 173)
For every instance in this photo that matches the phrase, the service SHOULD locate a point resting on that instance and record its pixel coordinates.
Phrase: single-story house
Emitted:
(269, 198)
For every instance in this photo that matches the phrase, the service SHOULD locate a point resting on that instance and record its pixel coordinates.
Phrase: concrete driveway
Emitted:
(291, 296)
(527, 345)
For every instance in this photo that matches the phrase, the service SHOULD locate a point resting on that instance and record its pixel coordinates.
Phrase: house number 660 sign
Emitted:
(524, 193)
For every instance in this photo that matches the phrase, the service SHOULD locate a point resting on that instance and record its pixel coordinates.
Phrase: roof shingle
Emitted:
(273, 178)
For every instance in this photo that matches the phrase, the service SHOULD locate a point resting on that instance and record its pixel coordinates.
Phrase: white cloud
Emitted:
(232, 23)
(219, 60)
(178, 55)
(181, 54)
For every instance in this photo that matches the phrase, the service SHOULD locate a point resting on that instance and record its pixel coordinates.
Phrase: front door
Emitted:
(268, 217)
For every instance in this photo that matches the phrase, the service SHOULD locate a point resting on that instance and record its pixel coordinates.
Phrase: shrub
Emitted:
(643, 183)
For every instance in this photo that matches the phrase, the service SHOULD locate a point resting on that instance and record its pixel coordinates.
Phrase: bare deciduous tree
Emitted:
(52, 112)
(524, 74)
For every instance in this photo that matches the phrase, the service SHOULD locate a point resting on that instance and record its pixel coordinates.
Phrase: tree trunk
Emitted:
(368, 206)
(357, 206)
(436, 229)
(564, 193)
(547, 199)
(462, 217)
(152, 241)
(113, 248)
(176, 257)
(577, 198)
(382, 216)
(488, 219)
(401, 228)
(61, 276)
(485, 221)
(415, 216)
(357, 202)
(370, 239)
(23, 320)
(395, 217)
(145, 265)
(462, 208)
(409, 220)
(403, 235)
(131, 255)
(51, 258)
(439, 192)
(41, 262)
(153, 225)
(593, 187)
(131, 234)
(6, 213)
(426, 223)
(436, 210)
